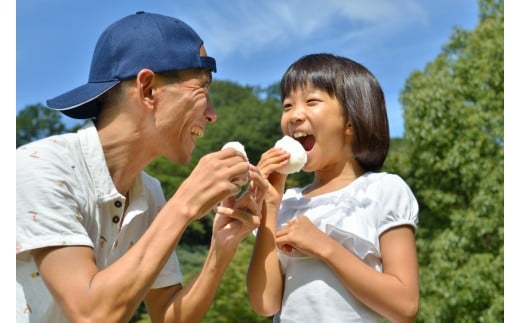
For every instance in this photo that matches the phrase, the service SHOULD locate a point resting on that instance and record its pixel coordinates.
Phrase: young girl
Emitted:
(341, 249)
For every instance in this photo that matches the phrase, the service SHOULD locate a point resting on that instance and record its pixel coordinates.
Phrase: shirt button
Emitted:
(115, 219)
(118, 203)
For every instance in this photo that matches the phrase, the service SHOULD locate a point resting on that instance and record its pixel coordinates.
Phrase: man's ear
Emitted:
(146, 81)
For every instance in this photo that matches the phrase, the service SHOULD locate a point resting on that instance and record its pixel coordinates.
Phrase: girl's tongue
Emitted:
(307, 142)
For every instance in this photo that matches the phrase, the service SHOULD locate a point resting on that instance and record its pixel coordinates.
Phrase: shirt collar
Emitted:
(94, 157)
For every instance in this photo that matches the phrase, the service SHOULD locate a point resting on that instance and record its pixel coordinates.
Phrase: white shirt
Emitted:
(355, 216)
(65, 196)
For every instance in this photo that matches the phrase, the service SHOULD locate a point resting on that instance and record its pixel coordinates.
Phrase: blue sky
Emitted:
(253, 41)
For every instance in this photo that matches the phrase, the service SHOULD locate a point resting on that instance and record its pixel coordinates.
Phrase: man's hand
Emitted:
(211, 181)
(236, 218)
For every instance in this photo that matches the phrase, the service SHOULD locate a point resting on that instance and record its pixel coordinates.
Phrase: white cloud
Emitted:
(244, 27)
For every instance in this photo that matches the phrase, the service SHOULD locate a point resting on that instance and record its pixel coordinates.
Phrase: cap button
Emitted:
(139, 12)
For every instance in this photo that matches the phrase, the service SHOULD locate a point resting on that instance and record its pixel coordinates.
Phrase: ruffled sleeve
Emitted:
(356, 215)
(398, 205)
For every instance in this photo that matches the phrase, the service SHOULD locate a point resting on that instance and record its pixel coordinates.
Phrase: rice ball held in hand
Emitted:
(241, 149)
(237, 146)
(298, 154)
(339, 247)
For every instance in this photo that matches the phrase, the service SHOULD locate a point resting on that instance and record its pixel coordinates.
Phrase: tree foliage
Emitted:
(36, 122)
(451, 154)
(454, 138)
(231, 303)
(241, 116)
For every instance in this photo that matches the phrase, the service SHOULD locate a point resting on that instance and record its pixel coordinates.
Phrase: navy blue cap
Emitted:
(142, 40)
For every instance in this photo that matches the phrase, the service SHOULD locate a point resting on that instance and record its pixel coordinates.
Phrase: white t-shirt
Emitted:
(65, 196)
(355, 216)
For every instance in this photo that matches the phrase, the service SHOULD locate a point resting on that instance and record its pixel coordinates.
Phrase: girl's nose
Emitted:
(296, 114)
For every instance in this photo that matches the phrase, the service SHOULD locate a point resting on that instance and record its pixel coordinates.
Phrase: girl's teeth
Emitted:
(299, 134)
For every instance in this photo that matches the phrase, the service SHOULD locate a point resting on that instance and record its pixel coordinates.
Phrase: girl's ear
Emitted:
(349, 130)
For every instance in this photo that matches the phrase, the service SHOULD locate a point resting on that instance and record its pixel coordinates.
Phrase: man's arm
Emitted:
(110, 295)
(86, 293)
(234, 220)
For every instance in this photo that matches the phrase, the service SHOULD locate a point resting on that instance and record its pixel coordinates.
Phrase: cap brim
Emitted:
(209, 62)
(80, 103)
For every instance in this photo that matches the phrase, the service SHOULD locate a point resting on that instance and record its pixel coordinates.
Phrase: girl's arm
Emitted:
(394, 293)
(264, 277)
(235, 219)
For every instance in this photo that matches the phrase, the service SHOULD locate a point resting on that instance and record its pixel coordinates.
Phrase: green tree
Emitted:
(36, 122)
(250, 115)
(244, 117)
(231, 303)
(454, 125)
(241, 116)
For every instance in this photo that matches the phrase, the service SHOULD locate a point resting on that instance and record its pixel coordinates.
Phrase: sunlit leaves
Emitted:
(454, 125)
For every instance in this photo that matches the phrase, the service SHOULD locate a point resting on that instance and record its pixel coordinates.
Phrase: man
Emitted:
(95, 236)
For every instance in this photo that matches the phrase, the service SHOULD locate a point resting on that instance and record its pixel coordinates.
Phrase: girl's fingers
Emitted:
(259, 185)
(273, 159)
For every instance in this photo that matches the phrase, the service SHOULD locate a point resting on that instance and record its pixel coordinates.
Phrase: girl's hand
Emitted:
(300, 234)
(271, 161)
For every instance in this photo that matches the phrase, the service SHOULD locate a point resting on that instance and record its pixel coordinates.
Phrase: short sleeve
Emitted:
(47, 209)
(170, 274)
(398, 204)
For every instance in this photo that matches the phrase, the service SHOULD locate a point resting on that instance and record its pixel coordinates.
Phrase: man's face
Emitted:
(183, 110)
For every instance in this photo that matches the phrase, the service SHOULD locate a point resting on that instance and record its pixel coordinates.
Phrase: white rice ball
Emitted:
(298, 154)
(240, 148)
(237, 146)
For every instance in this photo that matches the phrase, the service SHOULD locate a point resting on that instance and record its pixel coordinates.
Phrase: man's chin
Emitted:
(184, 160)
(180, 159)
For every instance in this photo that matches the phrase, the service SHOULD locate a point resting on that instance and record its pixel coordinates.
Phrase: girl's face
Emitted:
(316, 120)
